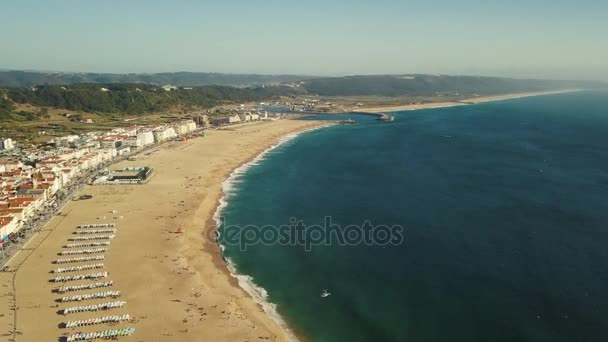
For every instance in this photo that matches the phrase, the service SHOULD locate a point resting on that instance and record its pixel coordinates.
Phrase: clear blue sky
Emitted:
(533, 38)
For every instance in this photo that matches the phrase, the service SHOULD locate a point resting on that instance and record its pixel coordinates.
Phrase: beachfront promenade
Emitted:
(172, 278)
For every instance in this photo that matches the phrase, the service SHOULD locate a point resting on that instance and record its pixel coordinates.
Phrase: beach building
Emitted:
(8, 225)
(130, 131)
(64, 141)
(21, 207)
(53, 161)
(114, 140)
(106, 153)
(123, 150)
(184, 127)
(129, 142)
(163, 134)
(127, 175)
(201, 120)
(6, 144)
(219, 121)
(51, 185)
(65, 175)
(226, 120)
(144, 138)
(234, 119)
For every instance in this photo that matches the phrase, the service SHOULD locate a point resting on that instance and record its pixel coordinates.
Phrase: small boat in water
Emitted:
(325, 294)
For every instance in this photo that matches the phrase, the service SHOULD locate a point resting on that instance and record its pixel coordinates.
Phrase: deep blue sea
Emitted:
(504, 207)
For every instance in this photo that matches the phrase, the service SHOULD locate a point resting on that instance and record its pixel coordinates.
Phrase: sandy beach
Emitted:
(474, 100)
(169, 272)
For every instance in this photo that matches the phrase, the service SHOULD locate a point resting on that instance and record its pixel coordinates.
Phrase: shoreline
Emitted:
(464, 102)
(175, 281)
(265, 321)
(246, 282)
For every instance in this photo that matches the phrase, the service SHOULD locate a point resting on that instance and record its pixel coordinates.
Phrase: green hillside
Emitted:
(432, 85)
(135, 98)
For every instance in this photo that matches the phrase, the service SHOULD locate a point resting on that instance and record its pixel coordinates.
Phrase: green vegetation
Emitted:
(16, 78)
(6, 106)
(432, 85)
(136, 99)
(115, 100)
(8, 113)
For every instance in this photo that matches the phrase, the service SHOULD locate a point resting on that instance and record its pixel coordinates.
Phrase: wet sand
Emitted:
(163, 259)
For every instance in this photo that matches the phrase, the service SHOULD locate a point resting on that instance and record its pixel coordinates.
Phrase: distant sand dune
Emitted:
(461, 102)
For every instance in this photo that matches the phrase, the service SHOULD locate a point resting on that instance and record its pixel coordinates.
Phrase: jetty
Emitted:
(380, 116)
(347, 122)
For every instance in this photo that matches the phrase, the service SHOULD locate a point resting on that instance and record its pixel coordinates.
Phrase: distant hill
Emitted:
(432, 85)
(129, 98)
(141, 94)
(185, 79)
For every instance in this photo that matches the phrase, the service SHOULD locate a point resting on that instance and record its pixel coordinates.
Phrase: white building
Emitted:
(144, 139)
(191, 125)
(164, 134)
(6, 144)
(65, 141)
(184, 127)
(10, 165)
(124, 150)
(8, 224)
(129, 142)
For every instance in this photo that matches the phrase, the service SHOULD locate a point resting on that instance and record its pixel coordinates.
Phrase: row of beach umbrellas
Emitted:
(73, 288)
(94, 237)
(79, 259)
(81, 277)
(100, 334)
(87, 244)
(85, 251)
(94, 307)
(97, 225)
(78, 298)
(99, 320)
(89, 233)
(95, 231)
(78, 268)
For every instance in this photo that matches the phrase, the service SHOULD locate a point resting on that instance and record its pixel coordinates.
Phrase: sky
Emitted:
(525, 39)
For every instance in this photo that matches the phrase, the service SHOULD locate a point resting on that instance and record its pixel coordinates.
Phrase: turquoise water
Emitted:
(505, 211)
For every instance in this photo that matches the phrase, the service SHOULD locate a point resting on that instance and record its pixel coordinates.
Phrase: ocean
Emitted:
(503, 208)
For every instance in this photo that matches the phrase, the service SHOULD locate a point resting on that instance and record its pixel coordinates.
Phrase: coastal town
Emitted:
(90, 254)
(36, 179)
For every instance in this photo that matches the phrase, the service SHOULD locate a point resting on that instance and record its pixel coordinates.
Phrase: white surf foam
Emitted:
(258, 293)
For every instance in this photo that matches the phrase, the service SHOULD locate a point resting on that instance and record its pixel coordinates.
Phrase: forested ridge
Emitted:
(133, 98)
(142, 98)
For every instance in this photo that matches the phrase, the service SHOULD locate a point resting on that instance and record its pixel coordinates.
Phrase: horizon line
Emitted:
(295, 74)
